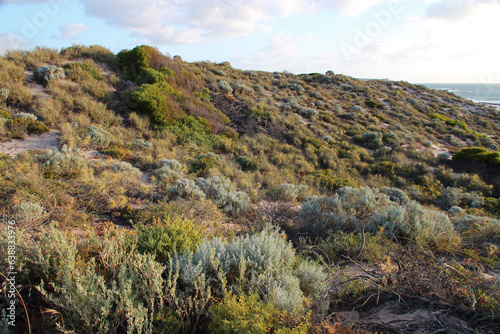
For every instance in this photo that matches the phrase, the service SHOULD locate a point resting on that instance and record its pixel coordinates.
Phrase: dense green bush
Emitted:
(20, 126)
(248, 164)
(477, 154)
(152, 100)
(168, 236)
(248, 314)
(141, 57)
(204, 163)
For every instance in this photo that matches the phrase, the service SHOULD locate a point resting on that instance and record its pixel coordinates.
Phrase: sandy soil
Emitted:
(32, 142)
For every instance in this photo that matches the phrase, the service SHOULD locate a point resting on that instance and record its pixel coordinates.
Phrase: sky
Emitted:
(419, 41)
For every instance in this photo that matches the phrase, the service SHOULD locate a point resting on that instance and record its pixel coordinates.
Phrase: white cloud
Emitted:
(456, 9)
(70, 30)
(283, 52)
(12, 41)
(192, 21)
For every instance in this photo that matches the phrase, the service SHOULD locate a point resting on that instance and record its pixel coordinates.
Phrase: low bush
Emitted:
(224, 87)
(356, 210)
(152, 100)
(245, 313)
(20, 126)
(83, 71)
(185, 188)
(167, 237)
(222, 192)
(100, 286)
(477, 154)
(171, 171)
(66, 162)
(248, 164)
(204, 163)
(47, 73)
(99, 136)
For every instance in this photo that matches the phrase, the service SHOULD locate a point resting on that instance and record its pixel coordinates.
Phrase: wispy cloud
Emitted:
(455, 9)
(71, 30)
(192, 21)
(12, 41)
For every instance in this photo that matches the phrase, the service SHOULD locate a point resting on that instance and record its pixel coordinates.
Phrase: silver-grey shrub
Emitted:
(290, 192)
(67, 160)
(224, 195)
(351, 209)
(396, 195)
(25, 115)
(225, 87)
(141, 144)
(186, 188)
(348, 209)
(412, 222)
(451, 197)
(47, 73)
(119, 289)
(98, 135)
(171, 171)
(262, 263)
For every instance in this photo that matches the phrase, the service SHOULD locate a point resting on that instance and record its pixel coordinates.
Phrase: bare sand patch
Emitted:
(32, 142)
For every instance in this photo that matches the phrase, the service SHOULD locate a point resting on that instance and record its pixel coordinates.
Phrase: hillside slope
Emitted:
(182, 176)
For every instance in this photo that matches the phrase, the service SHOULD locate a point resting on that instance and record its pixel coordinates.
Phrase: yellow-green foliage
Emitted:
(477, 154)
(168, 236)
(248, 314)
(455, 122)
(140, 58)
(154, 102)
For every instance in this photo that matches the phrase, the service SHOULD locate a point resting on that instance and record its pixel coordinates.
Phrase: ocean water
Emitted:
(480, 93)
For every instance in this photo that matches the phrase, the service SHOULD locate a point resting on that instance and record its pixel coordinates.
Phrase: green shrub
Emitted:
(152, 101)
(152, 76)
(248, 164)
(204, 163)
(141, 57)
(194, 129)
(477, 154)
(5, 114)
(19, 126)
(168, 236)
(248, 314)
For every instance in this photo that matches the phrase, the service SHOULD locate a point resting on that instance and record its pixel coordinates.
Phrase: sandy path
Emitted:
(32, 142)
